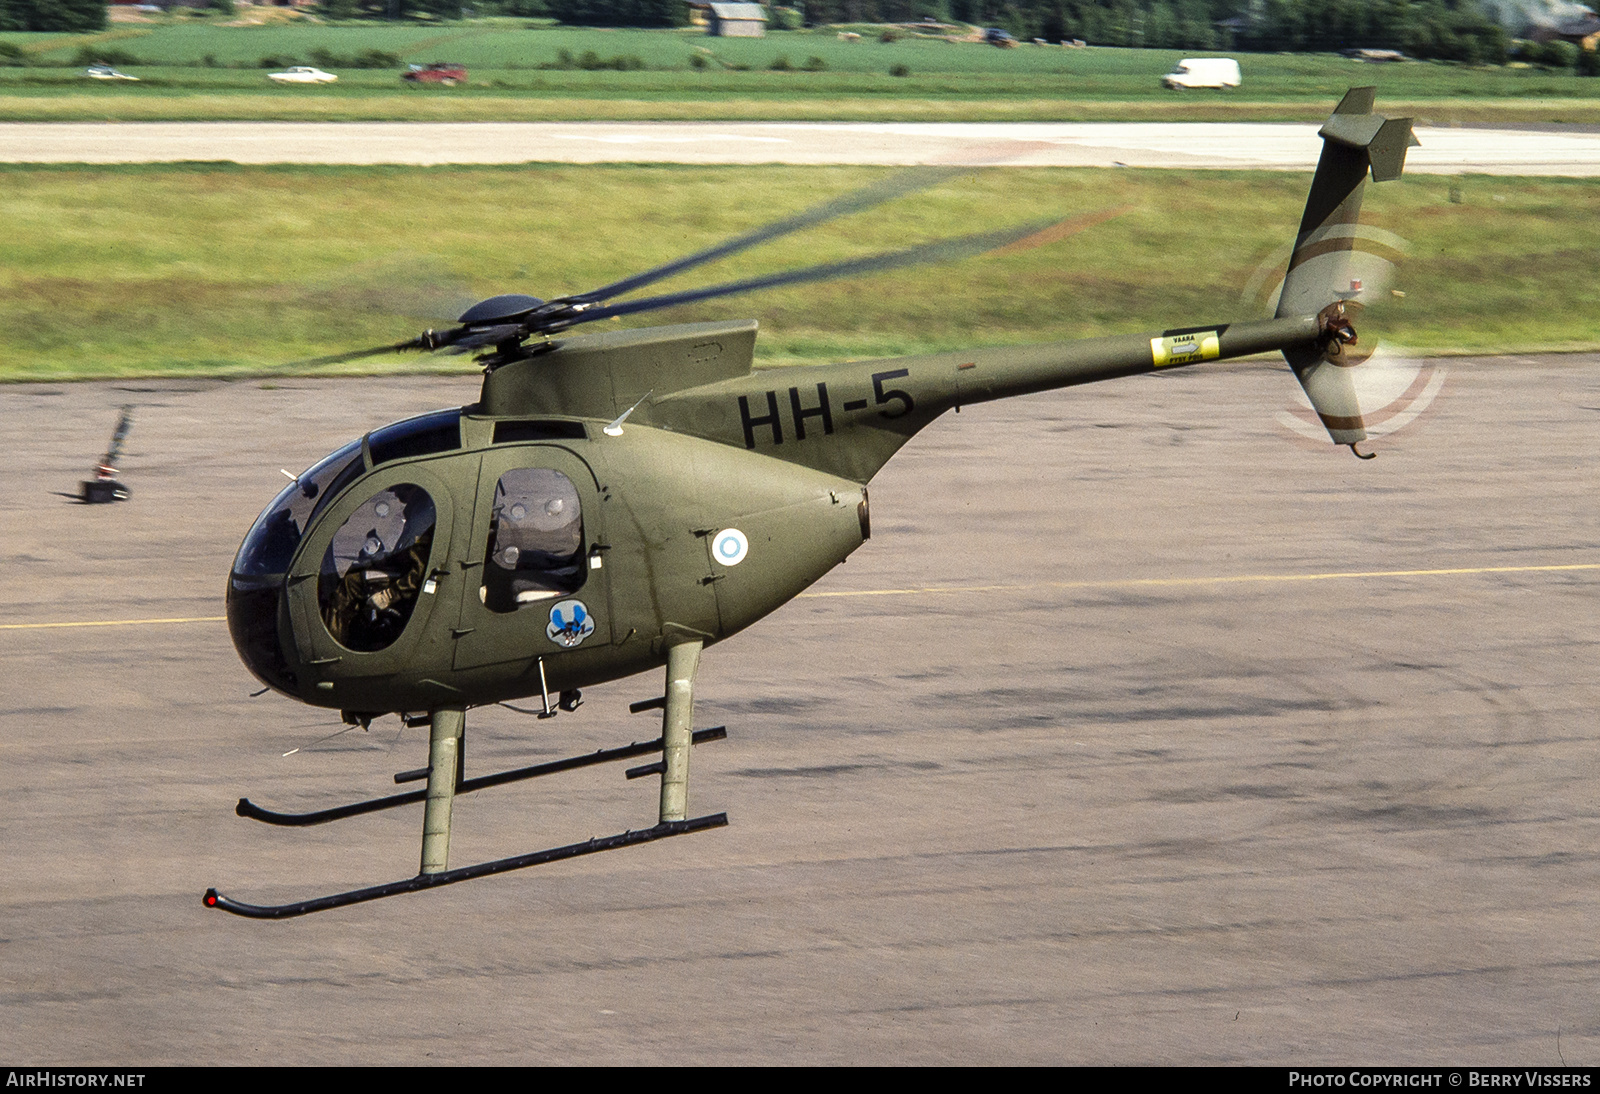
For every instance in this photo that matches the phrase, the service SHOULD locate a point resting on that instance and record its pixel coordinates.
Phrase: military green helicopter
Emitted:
(616, 502)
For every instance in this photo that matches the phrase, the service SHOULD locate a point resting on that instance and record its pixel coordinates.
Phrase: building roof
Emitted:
(739, 11)
(1580, 27)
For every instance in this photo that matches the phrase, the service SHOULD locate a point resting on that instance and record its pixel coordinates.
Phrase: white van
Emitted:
(1203, 72)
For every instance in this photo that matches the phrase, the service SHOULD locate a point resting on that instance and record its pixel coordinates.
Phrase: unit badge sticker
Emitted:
(570, 623)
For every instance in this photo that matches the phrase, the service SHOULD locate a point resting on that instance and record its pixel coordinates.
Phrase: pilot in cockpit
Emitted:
(375, 568)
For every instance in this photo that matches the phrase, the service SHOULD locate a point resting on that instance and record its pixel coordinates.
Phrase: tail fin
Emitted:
(1319, 280)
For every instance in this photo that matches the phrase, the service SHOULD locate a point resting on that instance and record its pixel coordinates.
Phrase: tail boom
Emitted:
(848, 419)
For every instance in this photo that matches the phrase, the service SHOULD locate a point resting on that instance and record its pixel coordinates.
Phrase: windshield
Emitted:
(273, 538)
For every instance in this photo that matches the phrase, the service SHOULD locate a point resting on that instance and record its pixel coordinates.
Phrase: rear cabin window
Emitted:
(535, 540)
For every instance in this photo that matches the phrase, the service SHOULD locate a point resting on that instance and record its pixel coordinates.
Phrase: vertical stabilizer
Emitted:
(1320, 279)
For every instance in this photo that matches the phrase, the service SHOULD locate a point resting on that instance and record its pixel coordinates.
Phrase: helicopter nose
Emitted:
(254, 606)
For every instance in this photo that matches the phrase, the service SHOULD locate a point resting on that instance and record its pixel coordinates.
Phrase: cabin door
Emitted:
(534, 582)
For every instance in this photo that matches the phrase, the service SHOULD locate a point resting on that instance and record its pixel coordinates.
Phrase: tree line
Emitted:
(1458, 30)
(68, 16)
(1449, 29)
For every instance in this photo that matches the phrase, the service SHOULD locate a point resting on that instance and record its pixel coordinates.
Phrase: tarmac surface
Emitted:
(1565, 151)
(1083, 758)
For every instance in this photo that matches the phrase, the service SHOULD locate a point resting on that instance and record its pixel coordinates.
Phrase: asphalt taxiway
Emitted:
(1142, 730)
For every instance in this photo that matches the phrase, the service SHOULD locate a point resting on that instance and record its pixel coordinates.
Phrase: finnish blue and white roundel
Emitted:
(729, 546)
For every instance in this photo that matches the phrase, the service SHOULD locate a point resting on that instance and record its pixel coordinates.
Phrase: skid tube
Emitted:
(247, 808)
(664, 830)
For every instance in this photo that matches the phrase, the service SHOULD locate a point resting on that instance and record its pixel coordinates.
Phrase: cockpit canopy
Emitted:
(270, 545)
(372, 569)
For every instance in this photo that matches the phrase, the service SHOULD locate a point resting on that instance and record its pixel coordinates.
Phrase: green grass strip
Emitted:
(213, 269)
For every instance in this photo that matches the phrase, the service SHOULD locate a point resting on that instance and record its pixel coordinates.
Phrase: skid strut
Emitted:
(449, 728)
(677, 718)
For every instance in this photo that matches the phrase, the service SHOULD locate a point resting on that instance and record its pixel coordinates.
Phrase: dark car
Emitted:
(997, 37)
(439, 72)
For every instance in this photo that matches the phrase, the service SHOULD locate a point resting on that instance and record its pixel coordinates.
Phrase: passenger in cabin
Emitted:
(535, 540)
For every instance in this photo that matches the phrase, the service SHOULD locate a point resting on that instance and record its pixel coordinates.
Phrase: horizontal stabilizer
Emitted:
(1384, 140)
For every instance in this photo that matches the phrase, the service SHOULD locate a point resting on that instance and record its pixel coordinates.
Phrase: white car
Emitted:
(302, 74)
(1203, 72)
(106, 72)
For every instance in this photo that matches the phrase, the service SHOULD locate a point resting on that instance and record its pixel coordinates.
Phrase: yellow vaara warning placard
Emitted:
(1180, 349)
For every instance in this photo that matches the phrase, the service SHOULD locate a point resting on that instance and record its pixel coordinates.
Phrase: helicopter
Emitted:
(105, 487)
(614, 503)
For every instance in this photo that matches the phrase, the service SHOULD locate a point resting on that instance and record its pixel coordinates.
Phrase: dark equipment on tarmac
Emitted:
(105, 486)
(616, 502)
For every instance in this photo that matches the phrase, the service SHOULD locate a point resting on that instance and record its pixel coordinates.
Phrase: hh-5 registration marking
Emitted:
(1180, 349)
(896, 404)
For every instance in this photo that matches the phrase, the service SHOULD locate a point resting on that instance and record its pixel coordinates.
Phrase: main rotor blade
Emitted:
(944, 250)
(896, 185)
(356, 355)
(400, 284)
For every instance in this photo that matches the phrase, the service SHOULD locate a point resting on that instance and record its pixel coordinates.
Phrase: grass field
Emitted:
(199, 269)
(512, 79)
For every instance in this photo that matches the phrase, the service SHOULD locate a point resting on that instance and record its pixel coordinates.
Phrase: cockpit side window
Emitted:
(535, 540)
(375, 567)
(270, 545)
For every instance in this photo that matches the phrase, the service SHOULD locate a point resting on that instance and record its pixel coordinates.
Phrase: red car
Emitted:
(439, 72)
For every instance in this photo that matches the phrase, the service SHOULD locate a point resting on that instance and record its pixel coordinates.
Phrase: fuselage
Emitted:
(407, 580)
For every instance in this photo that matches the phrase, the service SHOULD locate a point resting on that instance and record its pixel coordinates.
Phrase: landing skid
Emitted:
(665, 829)
(247, 808)
(446, 738)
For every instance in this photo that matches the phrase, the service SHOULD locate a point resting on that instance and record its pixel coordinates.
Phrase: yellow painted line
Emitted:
(1174, 582)
(112, 623)
(1130, 583)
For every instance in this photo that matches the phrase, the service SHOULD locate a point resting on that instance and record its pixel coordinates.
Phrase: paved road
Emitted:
(1088, 803)
(1443, 150)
